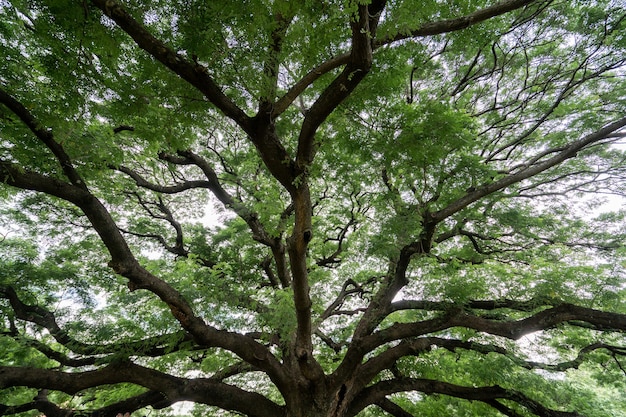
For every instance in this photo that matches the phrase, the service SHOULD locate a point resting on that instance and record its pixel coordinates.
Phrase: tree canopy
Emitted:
(316, 208)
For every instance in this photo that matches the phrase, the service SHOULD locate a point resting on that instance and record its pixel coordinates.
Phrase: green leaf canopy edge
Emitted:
(410, 199)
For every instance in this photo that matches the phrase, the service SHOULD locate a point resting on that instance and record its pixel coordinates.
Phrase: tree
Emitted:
(410, 203)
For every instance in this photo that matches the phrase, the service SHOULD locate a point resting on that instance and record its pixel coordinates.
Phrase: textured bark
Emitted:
(295, 371)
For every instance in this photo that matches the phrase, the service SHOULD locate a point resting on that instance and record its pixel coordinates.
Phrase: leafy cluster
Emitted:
(316, 208)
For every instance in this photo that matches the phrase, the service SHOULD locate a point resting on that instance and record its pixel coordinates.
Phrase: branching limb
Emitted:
(176, 250)
(380, 390)
(374, 314)
(393, 282)
(451, 25)
(457, 316)
(514, 329)
(362, 27)
(396, 278)
(516, 305)
(486, 245)
(333, 258)
(45, 136)
(392, 408)
(298, 88)
(566, 153)
(41, 403)
(192, 72)
(573, 79)
(213, 184)
(429, 29)
(259, 128)
(358, 65)
(164, 214)
(236, 369)
(165, 189)
(380, 305)
(259, 233)
(349, 288)
(271, 65)
(251, 218)
(418, 346)
(357, 208)
(124, 263)
(154, 346)
(206, 391)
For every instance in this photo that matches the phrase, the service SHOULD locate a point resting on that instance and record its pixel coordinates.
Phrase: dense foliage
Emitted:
(312, 208)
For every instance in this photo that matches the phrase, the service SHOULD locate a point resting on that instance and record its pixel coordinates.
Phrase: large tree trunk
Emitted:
(320, 397)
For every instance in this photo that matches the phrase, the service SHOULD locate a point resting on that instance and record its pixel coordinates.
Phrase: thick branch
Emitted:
(50, 353)
(104, 225)
(192, 72)
(175, 389)
(380, 306)
(297, 250)
(45, 135)
(457, 317)
(415, 347)
(358, 66)
(124, 263)
(259, 128)
(428, 29)
(153, 346)
(392, 408)
(378, 391)
(460, 23)
(517, 305)
(152, 399)
(542, 320)
(298, 88)
(566, 153)
(271, 65)
(250, 217)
